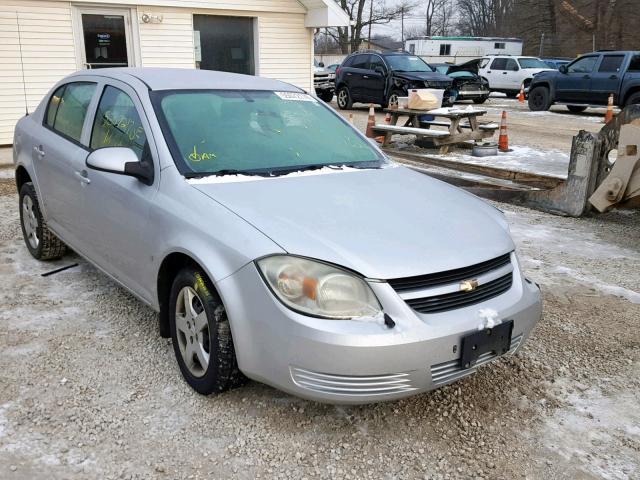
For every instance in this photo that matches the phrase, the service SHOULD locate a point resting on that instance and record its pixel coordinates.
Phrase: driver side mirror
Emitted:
(563, 69)
(121, 161)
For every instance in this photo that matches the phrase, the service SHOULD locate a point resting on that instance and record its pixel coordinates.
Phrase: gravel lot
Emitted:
(89, 390)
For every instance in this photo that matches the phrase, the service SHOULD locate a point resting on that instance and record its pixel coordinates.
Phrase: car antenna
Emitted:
(24, 85)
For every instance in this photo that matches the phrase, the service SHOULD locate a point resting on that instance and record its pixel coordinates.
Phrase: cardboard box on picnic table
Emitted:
(424, 99)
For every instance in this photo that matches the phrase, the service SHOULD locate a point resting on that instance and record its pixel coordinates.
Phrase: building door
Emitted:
(226, 43)
(105, 38)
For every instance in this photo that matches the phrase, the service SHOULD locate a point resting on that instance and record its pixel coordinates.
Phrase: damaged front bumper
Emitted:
(356, 362)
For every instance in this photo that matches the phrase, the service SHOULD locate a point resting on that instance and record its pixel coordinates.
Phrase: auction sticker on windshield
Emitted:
(300, 97)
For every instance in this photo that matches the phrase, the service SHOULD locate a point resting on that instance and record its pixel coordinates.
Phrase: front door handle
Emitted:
(39, 150)
(504, 73)
(82, 176)
(613, 77)
(587, 77)
(365, 76)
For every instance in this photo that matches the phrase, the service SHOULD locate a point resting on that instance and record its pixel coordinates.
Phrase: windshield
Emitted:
(441, 68)
(532, 63)
(256, 132)
(408, 63)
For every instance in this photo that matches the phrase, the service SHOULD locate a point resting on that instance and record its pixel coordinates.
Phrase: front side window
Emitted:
(256, 132)
(611, 63)
(583, 65)
(408, 63)
(376, 61)
(117, 123)
(68, 108)
(511, 65)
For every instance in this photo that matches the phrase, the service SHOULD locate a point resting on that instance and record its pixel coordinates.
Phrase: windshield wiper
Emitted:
(226, 171)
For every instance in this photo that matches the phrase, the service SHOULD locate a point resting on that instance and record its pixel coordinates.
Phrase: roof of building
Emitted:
(187, 78)
(469, 39)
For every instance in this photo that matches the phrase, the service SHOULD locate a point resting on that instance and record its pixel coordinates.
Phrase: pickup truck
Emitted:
(324, 81)
(588, 81)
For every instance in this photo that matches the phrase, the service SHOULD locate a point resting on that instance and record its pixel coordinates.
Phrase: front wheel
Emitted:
(41, 242)
(345, 102)
(201, 334)
(539, 100)
(393, 98)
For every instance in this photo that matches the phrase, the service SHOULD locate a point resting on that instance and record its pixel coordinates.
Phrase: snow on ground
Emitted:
(521, 158)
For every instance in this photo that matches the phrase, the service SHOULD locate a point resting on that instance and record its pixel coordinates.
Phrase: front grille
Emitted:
(447, 372)
(460, 299)
(450, 276)
(388, 384)
(435, 84)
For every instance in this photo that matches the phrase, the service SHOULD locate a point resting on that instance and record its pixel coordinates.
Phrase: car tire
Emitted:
(344, 100)
(634, 99)
(576, 108)
(41, 242)
(539, 100)
(201, 334)
(326, 96)
(481, 100)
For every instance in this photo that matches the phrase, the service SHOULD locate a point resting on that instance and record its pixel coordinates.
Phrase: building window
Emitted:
(226, 43)
(445, 49)
(412, 49)
(499, 45)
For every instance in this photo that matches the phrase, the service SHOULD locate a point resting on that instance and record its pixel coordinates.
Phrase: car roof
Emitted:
(192, 79)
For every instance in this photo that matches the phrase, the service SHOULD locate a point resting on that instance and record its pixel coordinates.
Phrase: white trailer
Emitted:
(461, 49)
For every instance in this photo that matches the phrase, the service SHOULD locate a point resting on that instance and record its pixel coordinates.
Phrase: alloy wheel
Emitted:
(30, 222)
(192, 330)
(342, 98)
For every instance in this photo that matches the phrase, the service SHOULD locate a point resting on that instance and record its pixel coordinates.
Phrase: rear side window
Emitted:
(583, 65)
(499, 64)
(117, 123)
(611, 63)
(634, 66)
(67, 108)
(361, 61)
(511, 65)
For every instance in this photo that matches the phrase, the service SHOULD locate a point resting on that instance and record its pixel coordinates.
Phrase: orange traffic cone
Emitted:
(521, 94)
(371, 122)
(609, 115)
(351, 118)
(503, 140)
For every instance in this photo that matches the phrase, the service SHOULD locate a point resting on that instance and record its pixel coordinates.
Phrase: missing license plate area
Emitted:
(496, 340)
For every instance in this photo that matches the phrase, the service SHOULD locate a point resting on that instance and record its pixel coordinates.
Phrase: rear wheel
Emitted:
(201, 334)
(576, 108)
(345, 102)
(539, 99)
(634, 99)
(41, 242)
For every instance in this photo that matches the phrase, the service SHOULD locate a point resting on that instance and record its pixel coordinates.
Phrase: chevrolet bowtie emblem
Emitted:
(468, 285)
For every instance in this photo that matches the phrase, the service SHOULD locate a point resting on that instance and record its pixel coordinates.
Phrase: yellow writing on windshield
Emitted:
(196, 156)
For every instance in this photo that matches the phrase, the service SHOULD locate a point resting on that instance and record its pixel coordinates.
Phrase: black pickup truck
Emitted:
(588, 81)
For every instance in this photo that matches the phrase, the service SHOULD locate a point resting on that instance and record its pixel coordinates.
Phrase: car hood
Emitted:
(383, 223)
(433, 76)
(472, 66)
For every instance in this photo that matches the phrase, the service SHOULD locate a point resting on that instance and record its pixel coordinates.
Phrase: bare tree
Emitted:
(377, 13)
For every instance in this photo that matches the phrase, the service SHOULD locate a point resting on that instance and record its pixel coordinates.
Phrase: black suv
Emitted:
(383, 77)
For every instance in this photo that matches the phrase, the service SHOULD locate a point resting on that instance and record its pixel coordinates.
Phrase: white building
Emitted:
(41, 41)
(460, 49)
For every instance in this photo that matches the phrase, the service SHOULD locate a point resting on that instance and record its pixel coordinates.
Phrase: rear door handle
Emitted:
(504, 73)
(586, 77)
(349, 74)
(39, 150)
(613, 77)
(365, 76)
(82, 176)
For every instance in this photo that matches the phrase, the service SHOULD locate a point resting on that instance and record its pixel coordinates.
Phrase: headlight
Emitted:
(318, 289)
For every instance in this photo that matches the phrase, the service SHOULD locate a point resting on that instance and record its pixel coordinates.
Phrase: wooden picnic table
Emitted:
(442, 139)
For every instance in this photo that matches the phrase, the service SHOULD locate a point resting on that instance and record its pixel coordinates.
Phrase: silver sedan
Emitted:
(275, 241)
